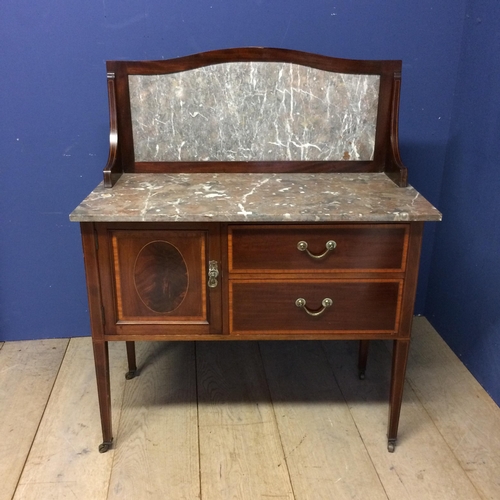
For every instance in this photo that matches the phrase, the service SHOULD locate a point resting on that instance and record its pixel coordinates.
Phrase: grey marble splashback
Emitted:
(254, 111)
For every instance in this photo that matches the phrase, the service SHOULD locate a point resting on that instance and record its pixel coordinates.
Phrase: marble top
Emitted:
(254, 197)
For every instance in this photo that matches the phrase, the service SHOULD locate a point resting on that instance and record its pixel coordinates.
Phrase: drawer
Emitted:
(270, 307)
(297, 248)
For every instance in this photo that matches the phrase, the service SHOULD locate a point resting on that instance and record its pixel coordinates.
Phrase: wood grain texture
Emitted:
(125, 313)
(358, 306)
(325, 454)
(241, 455)
(27, 374)
(462, 411)
(157, 443)
(358, 248)
(449, 433)
(423, 467)
(160, 275)
(64, 461)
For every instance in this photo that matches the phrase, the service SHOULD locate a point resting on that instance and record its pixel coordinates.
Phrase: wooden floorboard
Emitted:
(27, 374)
(423, 467)
(245, 420)
(467, 418)
(157, 441)
(325, 454)
(240, 450)
(64, 461)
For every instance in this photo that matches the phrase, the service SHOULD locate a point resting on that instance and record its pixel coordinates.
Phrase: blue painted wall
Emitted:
(54, 121)
(464, 290)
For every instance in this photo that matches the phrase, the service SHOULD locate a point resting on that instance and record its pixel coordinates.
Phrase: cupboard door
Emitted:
(160, 277)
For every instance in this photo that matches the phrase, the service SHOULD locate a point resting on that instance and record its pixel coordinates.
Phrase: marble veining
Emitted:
(235, 197)
(254, 111)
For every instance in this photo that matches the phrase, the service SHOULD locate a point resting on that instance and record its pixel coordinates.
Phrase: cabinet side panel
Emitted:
(410, 286)
(89, 243)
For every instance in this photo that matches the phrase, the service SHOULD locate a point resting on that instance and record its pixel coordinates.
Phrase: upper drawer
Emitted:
(281, 248)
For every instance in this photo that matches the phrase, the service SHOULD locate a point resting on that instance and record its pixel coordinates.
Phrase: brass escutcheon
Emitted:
(213, 272)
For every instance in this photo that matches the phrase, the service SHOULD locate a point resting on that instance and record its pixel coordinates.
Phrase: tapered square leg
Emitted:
(363, 358)
(132, 364)
(399, 361)
(101, 359)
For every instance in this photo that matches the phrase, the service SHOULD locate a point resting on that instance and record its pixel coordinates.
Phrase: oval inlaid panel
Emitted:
(161, 276)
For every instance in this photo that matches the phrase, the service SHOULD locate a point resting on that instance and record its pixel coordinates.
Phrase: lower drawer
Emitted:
(314, 306)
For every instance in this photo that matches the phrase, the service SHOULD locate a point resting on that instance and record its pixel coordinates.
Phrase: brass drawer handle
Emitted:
(213, 272)
(325, 303)
(330, 245)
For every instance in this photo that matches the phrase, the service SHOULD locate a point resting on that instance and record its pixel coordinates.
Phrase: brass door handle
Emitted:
(330, 245)
(213, 272)
(326, 303)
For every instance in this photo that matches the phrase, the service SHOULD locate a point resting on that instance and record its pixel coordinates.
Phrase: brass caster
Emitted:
(391, 446)
(104, 447)
(131, 374)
